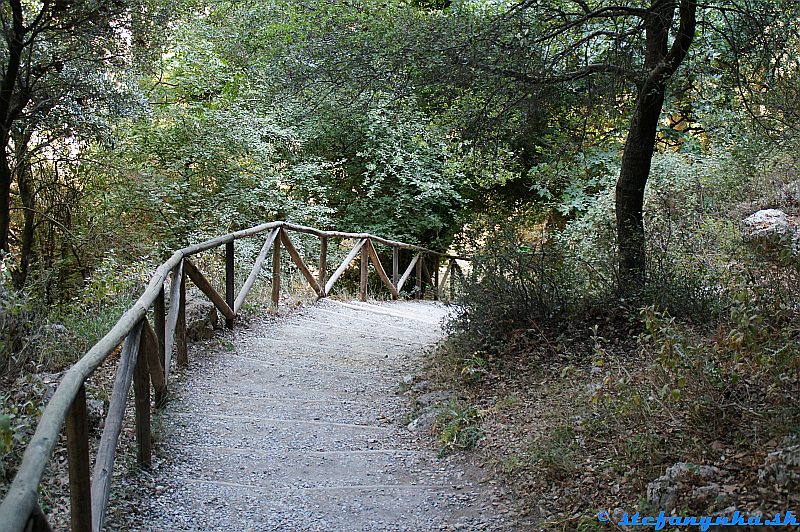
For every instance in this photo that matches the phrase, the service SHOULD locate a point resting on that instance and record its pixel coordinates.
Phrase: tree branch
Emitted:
(588, 70)
(680, 45)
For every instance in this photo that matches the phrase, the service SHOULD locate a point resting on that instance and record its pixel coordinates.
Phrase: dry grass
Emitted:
(578, 419)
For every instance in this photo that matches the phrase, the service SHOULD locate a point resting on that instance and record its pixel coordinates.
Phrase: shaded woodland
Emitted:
(623, 175)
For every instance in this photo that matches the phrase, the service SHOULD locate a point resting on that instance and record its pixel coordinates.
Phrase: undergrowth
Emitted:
(458, 427)
(702, 367)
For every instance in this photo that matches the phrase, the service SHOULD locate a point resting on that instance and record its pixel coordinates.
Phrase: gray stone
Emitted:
(201, 319)
(95, 410)
(424, 422)
(709, 496)
(781, 468)
(681, 478)
(431, 398)
(57, 330)
(420, 387)
(766, 224)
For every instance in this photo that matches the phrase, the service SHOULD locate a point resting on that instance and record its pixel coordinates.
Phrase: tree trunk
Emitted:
(5, 198)
(661, 62)
(24, 176)
(634, 171)
(8, 113)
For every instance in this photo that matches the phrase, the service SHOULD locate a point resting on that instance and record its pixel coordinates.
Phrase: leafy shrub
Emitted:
(70, 329)
(688, 289)
(21, 407)
(511, 284)
(15, 318)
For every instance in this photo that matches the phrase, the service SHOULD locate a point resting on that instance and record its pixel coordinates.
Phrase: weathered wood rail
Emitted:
(147, 352)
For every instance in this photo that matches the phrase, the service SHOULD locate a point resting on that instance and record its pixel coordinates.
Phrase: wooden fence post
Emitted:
(323, 263)
(159, 310)
(441, 284)
(154, 367)
(37, 521)
(455, 269)
(362, 293)
(395, 265)
(276, 271)
(230, 294)
(180, 325)
(419, 294)
(205, 286)
(295, 256)
(141, 403)
(376, 263)
(171, 327)
(343, 266)
(107, 448)
(435, 279)
(255, 271)
(80, 491)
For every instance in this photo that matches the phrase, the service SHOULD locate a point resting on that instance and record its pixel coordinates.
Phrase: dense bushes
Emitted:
(567, 270)
(732, 386)
(513, 283)
(14, 322)
(53, 335)
(510, 284)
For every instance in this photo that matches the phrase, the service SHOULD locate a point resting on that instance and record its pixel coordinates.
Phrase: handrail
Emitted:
(19, 510)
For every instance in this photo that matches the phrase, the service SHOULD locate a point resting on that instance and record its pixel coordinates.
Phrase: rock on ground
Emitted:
(680, 481)
(201, 319)
(781, 469)
(766, 223)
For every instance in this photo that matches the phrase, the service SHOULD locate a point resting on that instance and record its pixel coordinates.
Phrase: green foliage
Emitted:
(15, 323)
(111, 290)
(730, 384)
(516, 281)
(48, 338)
(112, 281)
(458, 427)
(397, 176)
(18, 418)
(473, 367)
(571, 186)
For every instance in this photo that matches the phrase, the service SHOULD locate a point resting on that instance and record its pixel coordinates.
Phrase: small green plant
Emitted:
(513, 463)
(16, 321)
(18, 419)
(458, 426)
(555, 452)
(474, 368)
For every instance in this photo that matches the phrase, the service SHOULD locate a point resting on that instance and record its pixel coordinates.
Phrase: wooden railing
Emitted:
(146, 359)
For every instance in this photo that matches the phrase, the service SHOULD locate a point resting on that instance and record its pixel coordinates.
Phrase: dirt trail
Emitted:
(299, 426)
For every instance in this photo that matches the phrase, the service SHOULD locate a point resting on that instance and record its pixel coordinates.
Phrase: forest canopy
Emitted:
(126, 121)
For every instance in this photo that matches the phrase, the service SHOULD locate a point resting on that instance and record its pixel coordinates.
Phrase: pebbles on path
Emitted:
(299, 426)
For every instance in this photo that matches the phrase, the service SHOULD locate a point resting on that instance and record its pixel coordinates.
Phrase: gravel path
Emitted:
(300, 425)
